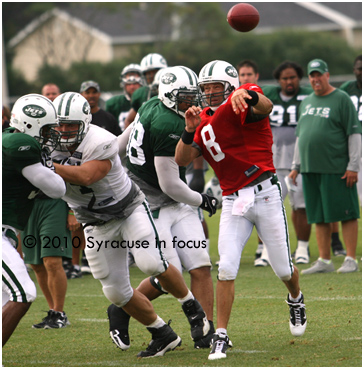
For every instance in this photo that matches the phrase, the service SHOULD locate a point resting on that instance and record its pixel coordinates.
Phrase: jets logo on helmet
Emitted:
(35, 111)
(36, 116)
(178, 89)
(168, 78)
(86, 108)
(231, 71)
(73, 109)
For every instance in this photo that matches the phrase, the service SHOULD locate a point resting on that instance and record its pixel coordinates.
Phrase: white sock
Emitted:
(189, 296)
(221, 331)
(295, 299)
(303, 244)
(349, 258)
(158, 323)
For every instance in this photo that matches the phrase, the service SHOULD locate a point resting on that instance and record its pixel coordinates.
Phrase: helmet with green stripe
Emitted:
(73, 109)
(35, 116)
(178, 89)
(218, 71)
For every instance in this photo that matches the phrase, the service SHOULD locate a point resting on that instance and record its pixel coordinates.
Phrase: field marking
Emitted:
(352, 339)
(336, 298)
(91, 320)
(247, 351)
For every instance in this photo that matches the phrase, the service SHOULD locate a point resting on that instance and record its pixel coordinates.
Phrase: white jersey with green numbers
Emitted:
(107, 198)
(283, 120)
(156, 132)
(323, 128)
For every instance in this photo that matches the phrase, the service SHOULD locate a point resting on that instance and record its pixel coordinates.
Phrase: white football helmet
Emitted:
(131, 68)
(178, 85)
(153, 61)
(212, 188)
(36, 116)
(155, 85)
(73, 108)
(218, 71)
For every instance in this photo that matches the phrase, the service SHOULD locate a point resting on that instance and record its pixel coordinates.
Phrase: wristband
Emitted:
(71, 212)
(254, 100)
(187, 137)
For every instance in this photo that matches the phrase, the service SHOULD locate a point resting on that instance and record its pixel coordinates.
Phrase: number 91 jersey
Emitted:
(238, 150)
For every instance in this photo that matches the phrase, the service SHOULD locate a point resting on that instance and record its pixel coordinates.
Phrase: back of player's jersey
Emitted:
(156, 132)
(19, 151)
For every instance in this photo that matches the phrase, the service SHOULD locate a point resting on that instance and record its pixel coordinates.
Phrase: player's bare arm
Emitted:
(239, 99)
(130, 118)
(85, 174)
(264, 105)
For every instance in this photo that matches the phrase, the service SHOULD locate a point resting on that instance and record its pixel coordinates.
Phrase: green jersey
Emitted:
(156, 133)
(355, 93)
(283, 120)
(19, 151)
(323, 128)
(141, 95)
(119, 107)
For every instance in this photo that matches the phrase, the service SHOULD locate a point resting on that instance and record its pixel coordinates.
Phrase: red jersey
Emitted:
(238, 151)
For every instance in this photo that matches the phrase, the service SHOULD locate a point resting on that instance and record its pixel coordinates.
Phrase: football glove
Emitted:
(46, 159)
(209, 204)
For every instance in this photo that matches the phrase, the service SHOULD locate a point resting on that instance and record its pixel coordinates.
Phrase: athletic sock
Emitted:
(295, 299)
(221, 331)
(189, 296)
(158, 323)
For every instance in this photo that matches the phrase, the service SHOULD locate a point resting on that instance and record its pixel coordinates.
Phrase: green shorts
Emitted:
(46, 232)
(328, 199)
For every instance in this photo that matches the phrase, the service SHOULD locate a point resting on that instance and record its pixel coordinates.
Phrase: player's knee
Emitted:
(285, 277)
(116, 296)
(31, 293)
(149, 265)
(227, 271)
(226, 275)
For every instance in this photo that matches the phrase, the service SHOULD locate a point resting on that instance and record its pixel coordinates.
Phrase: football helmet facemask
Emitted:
(125, 79)
(178, 85)
(72, 108)
(218, 71)
(36, 116)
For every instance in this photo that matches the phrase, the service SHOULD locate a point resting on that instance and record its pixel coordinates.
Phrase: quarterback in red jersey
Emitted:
(226, 156)
(235, 138)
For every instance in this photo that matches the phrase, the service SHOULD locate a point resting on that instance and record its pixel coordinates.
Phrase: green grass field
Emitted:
(258, 328)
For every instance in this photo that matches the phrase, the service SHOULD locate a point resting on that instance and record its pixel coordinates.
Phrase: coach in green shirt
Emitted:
(328, 149)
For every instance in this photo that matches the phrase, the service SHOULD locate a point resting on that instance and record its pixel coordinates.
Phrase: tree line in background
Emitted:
(204, 37)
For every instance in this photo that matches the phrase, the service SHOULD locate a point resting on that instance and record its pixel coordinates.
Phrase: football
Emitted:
(212, 188)
(243, 17)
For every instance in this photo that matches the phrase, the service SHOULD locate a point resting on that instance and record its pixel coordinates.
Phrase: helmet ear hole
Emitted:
(29, 126)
